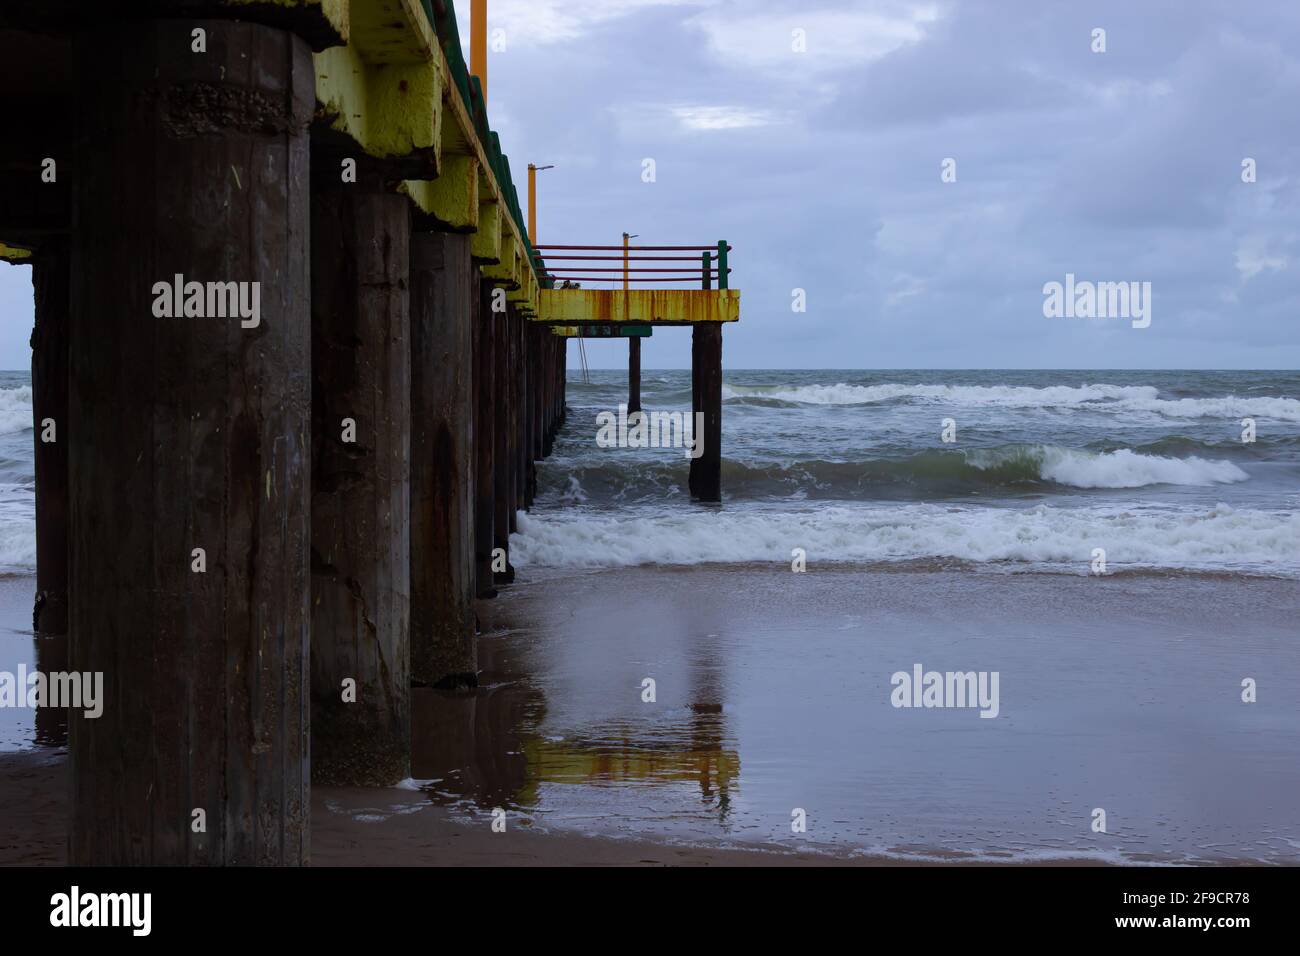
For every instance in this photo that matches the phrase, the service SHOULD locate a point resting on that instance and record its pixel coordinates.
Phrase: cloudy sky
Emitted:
(822, 167)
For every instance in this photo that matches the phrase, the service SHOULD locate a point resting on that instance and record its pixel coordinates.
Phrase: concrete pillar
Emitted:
(190, 432)
(443, 290)
(361, 509)
(562, 377)
(633, 375)
(706, 365)
(503, 464)
(693, 475)
(484, 442)
(538, 375)
(519, 415)
(51, 280)
(529, 410)
(548, 390)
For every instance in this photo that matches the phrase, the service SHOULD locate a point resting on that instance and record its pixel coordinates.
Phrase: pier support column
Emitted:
(443, 290)
(503, 463)
(529, 425)
(518, 386)
(51, 279)
(537, 375)
(360, 505)
(706, 377)
(484, 440)
(548, 390)
(188, 445)
(633, 375)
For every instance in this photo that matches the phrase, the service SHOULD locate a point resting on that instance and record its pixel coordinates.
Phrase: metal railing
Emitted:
(711, 264)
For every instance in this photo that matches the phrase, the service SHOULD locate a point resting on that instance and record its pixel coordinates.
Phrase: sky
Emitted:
(813, 137)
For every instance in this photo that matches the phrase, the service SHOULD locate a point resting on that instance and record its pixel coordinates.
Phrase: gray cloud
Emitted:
(822, 168)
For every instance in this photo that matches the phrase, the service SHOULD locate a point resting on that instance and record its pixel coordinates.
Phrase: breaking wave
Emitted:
(930, 473)
(15, 409)
(1108, 398)
(1215, 539)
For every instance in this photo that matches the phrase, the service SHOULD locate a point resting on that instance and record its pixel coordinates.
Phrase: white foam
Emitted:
(15, 409)
(1220, 538)
(1111, 398)
(1119, 469)
(1011, 396)
(17, 539)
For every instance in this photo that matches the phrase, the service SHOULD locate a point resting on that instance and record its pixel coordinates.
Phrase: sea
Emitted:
(988, 470)
(1042, 468)
(17, 476)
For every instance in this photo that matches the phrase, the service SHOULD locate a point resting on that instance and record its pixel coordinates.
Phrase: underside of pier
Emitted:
(291, 393)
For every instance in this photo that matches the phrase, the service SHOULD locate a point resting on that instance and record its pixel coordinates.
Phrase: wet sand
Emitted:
(773, 692)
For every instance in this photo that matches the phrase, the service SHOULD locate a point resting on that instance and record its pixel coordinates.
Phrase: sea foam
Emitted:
(1109, 398)
(1117, 469)
(15, 409)
(1219, 538)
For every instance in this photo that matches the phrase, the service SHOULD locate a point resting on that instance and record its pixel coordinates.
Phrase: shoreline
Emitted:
(33, 806)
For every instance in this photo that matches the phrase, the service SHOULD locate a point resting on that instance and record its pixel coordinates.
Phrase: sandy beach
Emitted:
(773, 695)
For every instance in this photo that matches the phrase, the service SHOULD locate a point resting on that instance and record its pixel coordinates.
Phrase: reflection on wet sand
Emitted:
(51, 658)
(796, 671)
(485, 746)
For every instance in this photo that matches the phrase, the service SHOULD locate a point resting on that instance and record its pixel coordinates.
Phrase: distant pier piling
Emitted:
(706, 363)
(633, 375)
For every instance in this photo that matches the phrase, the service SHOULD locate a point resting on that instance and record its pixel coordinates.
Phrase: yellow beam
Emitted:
(384, 88)
(505, 271)
(654, 306)
(14, 254)
(391, 91)
(451, 200)
(392, 31)
(486, 245)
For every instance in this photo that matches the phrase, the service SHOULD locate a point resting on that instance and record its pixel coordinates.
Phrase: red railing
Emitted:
(711, 264)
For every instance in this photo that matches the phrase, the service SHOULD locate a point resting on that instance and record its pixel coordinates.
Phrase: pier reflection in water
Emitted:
(571, 741)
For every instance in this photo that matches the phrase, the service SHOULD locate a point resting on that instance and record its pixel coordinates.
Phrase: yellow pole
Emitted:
(532, 203)
(478, 43)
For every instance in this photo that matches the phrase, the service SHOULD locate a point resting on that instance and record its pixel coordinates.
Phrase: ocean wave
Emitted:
(15, 409)
(1215, 539)
(929, 473)
(1110, 398)
(1122, 468)
(17, 543)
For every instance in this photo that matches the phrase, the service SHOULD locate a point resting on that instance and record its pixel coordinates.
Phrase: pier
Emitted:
(264, 527)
